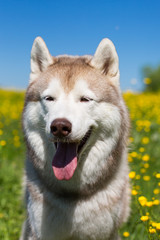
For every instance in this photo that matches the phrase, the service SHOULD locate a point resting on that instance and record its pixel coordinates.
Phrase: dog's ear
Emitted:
(106, 59)
(40, 58)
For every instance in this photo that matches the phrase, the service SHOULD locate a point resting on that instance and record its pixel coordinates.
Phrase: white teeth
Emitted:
(79, 145)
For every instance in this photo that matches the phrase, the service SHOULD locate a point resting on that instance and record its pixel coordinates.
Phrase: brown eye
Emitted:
(85, 99)
(49, 98)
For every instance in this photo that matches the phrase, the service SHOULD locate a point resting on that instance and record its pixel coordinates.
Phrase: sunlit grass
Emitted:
(12, 155)
(144, 160)
(144, 154)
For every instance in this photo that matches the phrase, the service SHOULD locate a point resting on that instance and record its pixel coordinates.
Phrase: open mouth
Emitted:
(64, 162)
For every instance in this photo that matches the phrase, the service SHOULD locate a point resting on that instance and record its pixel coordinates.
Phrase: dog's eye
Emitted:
(49, 98)
(85, 99)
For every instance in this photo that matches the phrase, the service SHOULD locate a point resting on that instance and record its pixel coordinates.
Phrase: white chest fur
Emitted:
(92, 218)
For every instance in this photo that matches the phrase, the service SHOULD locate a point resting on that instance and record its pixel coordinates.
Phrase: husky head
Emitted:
(74, 113)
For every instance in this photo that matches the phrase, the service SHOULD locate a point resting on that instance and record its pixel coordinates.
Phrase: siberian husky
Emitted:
(76, 127)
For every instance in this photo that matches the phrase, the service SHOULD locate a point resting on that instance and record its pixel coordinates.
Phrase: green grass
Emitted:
(12, 156)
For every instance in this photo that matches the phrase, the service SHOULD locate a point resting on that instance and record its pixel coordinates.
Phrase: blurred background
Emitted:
(76, 28)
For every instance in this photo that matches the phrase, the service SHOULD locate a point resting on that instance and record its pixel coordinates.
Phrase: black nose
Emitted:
(61, 127)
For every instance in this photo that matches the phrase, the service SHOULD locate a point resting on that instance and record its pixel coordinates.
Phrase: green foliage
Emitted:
(151, 78)
(12, 156)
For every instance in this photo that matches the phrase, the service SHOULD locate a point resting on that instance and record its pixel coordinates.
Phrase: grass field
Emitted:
(144, 160)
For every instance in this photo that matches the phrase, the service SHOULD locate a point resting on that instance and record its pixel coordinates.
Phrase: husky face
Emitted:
(76, 106)
(74, 109)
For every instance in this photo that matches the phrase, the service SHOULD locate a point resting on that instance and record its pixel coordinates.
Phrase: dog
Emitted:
(76, 128)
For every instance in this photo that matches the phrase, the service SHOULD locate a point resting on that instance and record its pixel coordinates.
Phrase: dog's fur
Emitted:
(91, 204)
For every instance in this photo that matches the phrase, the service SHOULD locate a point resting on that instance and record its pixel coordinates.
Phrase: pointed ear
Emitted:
(40, 58)
(106, 59)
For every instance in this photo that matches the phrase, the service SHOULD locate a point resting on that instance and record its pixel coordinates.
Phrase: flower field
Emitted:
(144, 160)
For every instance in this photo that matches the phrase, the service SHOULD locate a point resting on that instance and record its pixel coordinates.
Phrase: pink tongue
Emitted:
(65, 161)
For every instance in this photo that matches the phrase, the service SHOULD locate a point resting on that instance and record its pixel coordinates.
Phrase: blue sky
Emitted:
(76, 28)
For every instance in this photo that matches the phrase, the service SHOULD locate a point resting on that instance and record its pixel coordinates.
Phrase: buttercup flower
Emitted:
(152, 230)
(146, 178)
(134, 192)
(158, 226)
(145, 140)
(2, 143)
(142, 200)
(141, 149)
(156, 202)
(156, 191)
(144, 218)
(158, 175)
(146, 158)
(146, 165)
(149, 204)
(132, 174)
(126, 234)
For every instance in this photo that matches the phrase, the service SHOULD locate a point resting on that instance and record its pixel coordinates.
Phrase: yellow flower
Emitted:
(156, 202)
(16, 138)
(145, 140)
(158, 175)
(142, 200)
(146, 178)
(156, 191)
(149, 204)
(2, 143)
(133, 154)
(158, 226)
(130, 158)
(152, 230)
(126, 234)
(154, 224)
(131, 139)
(141, 149)
(146, 165)
(146, 158)
(134, 192)
(137, 177)
(143, 170)
(144, 218)
(1, 132)
(132, 174)
(138, 129)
